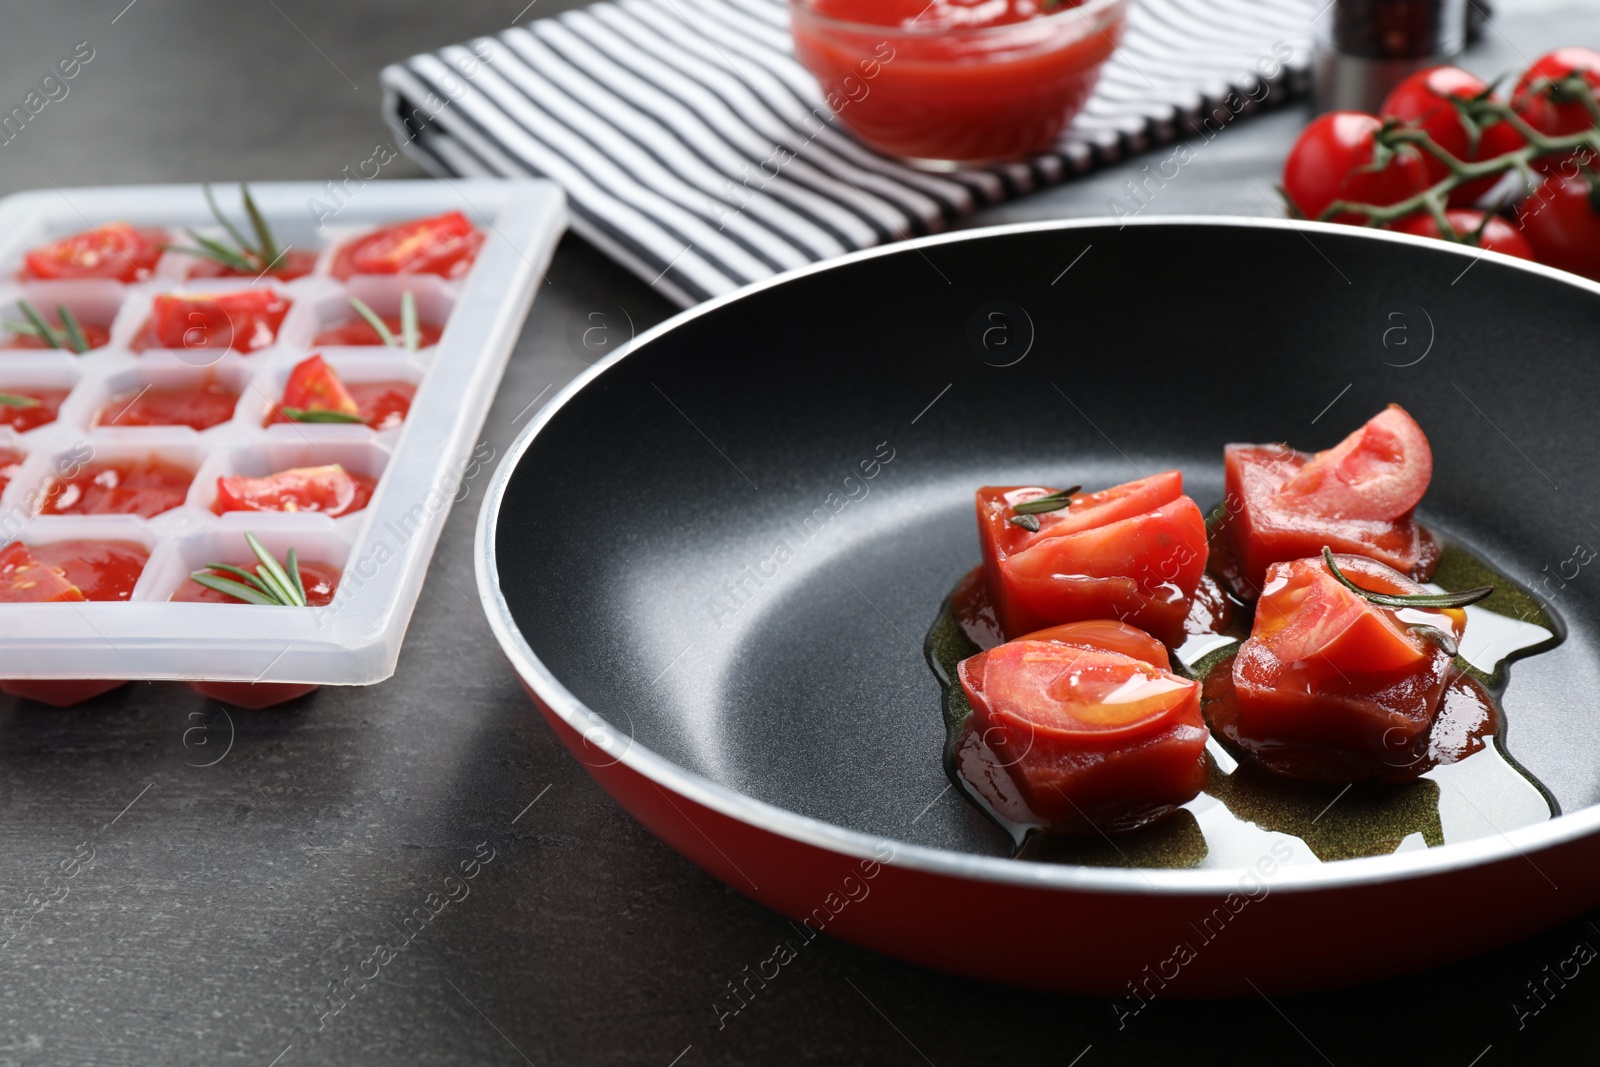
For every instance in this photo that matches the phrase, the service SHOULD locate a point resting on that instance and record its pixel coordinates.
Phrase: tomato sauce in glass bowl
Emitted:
(956, 81)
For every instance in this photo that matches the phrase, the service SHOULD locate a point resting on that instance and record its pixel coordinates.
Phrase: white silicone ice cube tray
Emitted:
(383, 549)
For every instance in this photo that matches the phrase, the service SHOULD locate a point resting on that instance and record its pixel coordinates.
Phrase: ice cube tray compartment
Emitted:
(384, 548)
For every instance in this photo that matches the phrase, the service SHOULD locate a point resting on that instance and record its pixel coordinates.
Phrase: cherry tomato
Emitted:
(116, 251)
(1562, 223)
(330, 490)
(444, 245)
(1533, 100)
(1332, 687)
(144, 487)
(243, 321)
(320, 579)
(1495, 235)
(1134, 552)
(101, 570)
(1331, 161)
(198, 407)
(24, 580)
(25, 417)
(1423, 101)
(1356, 497)
(1560, 114)
(1072, 733)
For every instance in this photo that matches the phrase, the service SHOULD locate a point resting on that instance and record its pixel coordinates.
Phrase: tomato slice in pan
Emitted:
(1332, 687)
(116, 251)
(1356, 497)
(1134, 552)
(1072, 729)
(1379, 472)
(313, 386)
(329, 490)
(442, 244)
(25, 580)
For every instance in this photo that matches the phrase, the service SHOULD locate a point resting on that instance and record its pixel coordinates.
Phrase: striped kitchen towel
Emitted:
(662, 119)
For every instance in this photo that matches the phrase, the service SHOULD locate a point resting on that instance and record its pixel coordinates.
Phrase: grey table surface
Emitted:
(222, 901)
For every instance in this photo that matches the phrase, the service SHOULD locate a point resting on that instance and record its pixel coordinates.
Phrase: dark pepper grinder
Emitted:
(1364, 48)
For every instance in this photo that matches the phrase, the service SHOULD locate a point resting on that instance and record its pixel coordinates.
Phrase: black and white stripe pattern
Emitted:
(662, 119)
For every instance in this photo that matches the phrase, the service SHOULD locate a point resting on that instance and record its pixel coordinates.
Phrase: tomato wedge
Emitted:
(1134, 552)
(1087, 737)
(25, 580)
(1331, 687)
(444, 245)
(115, 251)
(329, 490)
(1357, 497)
(1379, 472)
(243, 321)
(313, 386)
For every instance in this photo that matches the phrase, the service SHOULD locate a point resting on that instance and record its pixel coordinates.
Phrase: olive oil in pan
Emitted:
(1473, 788)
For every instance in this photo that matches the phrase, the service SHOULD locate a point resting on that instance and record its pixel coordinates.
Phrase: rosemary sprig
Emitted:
(16, 400)
(271, 584)
(375, 320)
(246, 257)
(1407, 600)
(1054, 502)
(1024, 512)
(69, 335)
(410, 337)
(319, 415)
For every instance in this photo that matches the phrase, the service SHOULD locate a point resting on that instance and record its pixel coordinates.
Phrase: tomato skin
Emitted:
(445, 245)
(1044, 749)
(1498, 235)
(145, 487)
(313, 386)
(1357, 497)
(1331, 687)
(24, 579)
(320, 579)
(243, 321)
(1423, 100)
(115, 251)
(1327, 161)
(1562, 224)
(1134, 552)
(330, 490)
